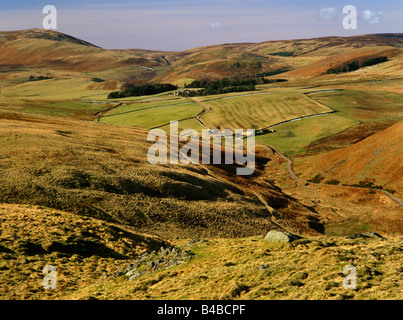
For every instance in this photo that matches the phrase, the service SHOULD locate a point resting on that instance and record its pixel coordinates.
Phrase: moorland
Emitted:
(77, 192)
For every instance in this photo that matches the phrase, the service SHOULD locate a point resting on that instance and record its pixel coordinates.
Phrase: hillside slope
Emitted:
(102, 171)
(305, 57)
(378, 157)
(55, 50)
(81, 248)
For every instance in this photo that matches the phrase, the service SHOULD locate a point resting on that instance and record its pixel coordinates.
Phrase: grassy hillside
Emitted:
(82, 248)
(377, 157)
(77, 191)
(102, 171)
(54, 50)
(249, 268)
(91, 258)
(219, 62)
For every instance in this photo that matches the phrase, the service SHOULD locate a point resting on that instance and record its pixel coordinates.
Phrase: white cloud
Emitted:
(328, 14)
(372, 16)
(219, 26)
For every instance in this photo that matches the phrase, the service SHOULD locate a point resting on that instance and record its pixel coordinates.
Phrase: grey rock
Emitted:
(164, 251)
(280, 236)
(134, 275)
(263, 267)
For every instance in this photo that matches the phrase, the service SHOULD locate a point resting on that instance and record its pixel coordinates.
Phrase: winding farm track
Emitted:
(206, 109)
(292, 174)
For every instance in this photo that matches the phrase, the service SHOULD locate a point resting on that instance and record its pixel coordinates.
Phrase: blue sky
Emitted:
(184, 24)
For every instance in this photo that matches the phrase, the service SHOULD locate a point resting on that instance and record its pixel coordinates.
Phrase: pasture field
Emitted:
(364, 105)
(152, 98)
(257, 111)
(53, 89)
(290, 138)
(185, 126)
(140, 106)
(153, 117)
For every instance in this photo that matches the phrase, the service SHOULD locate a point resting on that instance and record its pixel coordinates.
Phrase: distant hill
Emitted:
(44, 35)
(55, 50)
(303, 58)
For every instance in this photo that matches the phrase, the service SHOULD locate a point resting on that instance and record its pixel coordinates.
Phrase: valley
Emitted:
(77, 191)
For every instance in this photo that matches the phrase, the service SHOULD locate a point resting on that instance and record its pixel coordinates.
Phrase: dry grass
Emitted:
(102, 171)
(81, 195)
(88, 254)
(378, 157)
(83, 249)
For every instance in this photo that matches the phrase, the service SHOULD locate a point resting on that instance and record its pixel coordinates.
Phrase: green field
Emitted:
(352, 107)
(291, 137)
(140, 106)
(257, 111)
(152, 98)
(364, 105)
(152, 117)
(185, 126)
(71, 97)
(54, 89)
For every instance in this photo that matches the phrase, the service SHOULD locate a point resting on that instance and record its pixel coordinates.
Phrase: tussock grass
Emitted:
(250, 268)
(82, 249)
(102, 172)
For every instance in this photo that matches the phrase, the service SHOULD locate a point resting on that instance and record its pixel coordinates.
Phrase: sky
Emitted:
(183, 24)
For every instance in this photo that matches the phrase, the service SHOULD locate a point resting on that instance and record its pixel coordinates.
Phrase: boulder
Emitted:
(279, 236)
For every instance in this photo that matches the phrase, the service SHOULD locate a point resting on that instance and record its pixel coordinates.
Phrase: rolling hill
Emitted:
(308, 57)
(378, 157)
(102, 171)
(77, 191)
(55, 50)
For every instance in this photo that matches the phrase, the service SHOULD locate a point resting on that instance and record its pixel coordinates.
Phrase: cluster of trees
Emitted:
(355, 65)
(97, 80)
(227, 85)
(272, 73)
(39, 78)
(142, 90)
(241, 83)
(221, 86)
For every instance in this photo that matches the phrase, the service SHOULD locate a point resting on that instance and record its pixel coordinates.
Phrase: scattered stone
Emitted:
(299, 276)
(150, 262)
(366, 235)
(263, 267)
(281, 236)
(193, 241)
(295, 283)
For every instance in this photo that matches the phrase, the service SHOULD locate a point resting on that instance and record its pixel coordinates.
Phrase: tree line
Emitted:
(227, 85)
(356, 64)
(241, 83)
(142, 90)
